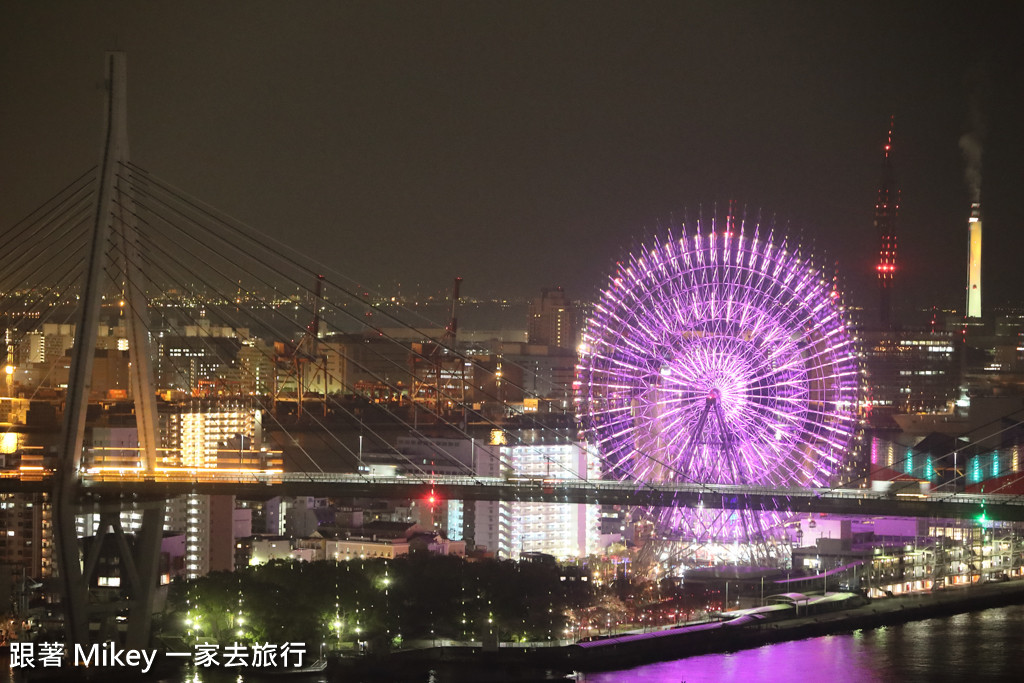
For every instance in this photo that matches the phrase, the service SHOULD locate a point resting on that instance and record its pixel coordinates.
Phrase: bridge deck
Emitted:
(260, 484)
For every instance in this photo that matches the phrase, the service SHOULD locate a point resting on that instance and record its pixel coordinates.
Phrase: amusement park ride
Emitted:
(720, 358)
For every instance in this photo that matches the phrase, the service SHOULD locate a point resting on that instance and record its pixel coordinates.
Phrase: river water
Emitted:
(974, 646)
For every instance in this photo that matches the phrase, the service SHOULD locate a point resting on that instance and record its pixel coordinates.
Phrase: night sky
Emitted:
(526, 145)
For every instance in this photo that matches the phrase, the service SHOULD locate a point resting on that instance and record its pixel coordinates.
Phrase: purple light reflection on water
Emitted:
(976, 646)
(829, 658)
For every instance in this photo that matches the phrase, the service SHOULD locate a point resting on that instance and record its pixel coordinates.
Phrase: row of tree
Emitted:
(411, 597)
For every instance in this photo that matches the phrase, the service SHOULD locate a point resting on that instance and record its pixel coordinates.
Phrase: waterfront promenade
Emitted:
(619, 652)
(675, 644)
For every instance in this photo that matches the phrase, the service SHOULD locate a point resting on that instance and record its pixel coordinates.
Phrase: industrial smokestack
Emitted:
(974, 261)
(972, 144)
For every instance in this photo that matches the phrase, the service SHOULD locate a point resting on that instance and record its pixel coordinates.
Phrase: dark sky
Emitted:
(527, 144)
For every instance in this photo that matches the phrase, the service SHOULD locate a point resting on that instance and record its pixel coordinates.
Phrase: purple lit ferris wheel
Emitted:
(720, 358)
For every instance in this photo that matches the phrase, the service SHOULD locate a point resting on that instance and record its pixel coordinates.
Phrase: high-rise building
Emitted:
(510, 528)
(208, 523)
(52, 341)
(256, 370)
(563, 530)
(212, 434)
(26, 533)
(32, 348)
(551, 320)
(886, 211)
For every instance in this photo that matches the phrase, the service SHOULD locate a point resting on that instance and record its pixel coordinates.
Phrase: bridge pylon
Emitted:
(95, 612)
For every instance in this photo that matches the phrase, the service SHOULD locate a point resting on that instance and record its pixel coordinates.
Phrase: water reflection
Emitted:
(977, 646)
(981, 646)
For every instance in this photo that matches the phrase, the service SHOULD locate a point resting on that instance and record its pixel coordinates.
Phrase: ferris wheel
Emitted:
(719, 358)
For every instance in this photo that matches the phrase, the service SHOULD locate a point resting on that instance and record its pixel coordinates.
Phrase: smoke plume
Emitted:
(972, 142)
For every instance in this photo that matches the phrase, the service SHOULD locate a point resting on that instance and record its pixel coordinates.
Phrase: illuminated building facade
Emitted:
(256, 369)
(908, 372)
(32, 348)
(208, 523)
(26, 533)
(563, 530)
(509, 528)
(195, 364)
(212, 434)
(887, 555)
(57, 339)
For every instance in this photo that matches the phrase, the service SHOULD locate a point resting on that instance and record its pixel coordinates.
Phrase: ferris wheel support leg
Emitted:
(691, 442)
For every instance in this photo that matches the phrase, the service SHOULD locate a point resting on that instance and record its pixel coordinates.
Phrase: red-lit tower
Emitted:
(886, 211)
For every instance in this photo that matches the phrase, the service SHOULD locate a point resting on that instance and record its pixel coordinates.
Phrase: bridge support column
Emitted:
(91, 610)
(115, 588)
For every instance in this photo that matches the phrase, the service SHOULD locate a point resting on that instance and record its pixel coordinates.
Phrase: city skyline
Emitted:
(413, 144)
(734, 366)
